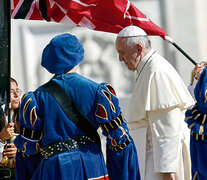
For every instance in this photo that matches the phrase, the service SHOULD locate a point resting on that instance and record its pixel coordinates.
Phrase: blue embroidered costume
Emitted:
(197, 122)
(46, 128)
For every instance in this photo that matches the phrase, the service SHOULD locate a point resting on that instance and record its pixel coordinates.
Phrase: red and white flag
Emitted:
(101, 15)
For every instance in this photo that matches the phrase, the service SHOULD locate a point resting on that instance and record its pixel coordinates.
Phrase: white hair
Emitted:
(143, 40)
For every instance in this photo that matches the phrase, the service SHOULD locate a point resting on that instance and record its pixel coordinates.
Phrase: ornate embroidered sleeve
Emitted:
(197, 123)
(111, 120)
(121, 155)
(30, 125)
(196, 117)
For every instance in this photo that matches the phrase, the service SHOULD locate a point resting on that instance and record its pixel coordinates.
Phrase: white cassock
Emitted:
(155, 117)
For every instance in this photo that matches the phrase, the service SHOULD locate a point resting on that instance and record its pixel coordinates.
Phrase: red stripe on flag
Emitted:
(55, 13)
(36, 15)
(149, 27)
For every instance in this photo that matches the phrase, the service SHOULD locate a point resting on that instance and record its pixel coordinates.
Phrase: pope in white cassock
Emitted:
(157, 109)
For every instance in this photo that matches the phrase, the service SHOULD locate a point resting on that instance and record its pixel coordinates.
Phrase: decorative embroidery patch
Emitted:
(101, 112)
(25, 144)
(113, 141)
(114, 124)
(24, 96)
(108, 97)
(25, 108)
(111, 89)
(37, 147)
(112, 107)
(33, 116)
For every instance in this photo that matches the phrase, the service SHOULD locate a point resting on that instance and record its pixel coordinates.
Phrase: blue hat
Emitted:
(62, 54)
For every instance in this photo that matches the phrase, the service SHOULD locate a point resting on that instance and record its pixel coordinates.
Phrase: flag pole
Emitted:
(170, 40)
(9, 60)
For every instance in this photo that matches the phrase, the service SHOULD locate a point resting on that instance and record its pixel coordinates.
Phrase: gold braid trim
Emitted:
(188, 118)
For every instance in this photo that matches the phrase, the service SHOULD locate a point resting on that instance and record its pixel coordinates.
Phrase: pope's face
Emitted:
(128, 54)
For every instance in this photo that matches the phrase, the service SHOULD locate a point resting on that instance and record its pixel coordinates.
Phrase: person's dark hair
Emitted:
(15, 117)
(13, 80)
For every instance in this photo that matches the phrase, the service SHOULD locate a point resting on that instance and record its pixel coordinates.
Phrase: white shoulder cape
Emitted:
(158, 86)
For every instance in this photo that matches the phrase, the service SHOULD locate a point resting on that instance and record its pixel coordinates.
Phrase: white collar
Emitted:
(144, 61)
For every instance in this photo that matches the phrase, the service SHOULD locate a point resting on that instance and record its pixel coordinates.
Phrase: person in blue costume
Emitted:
(46, 129)
(196, 118)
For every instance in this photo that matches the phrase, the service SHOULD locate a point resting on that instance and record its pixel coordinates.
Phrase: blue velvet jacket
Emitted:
(99, 104)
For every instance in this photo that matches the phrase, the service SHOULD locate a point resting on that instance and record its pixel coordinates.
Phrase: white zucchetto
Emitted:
(132, 31)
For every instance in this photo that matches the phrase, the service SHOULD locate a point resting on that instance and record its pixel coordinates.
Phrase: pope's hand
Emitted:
(169, 176)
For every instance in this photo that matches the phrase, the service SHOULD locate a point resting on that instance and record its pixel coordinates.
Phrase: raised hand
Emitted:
(7, 131)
